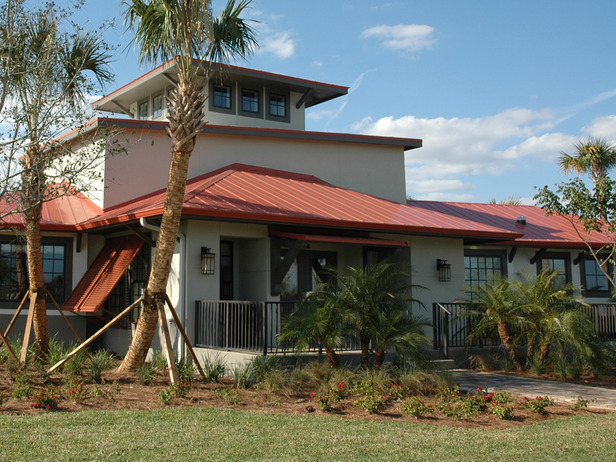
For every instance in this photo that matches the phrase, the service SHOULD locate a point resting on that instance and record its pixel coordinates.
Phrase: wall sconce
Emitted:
(208, 261)
(444, 270)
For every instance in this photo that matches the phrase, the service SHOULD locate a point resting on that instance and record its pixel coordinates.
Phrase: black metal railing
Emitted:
(452, 324)
(247, 326)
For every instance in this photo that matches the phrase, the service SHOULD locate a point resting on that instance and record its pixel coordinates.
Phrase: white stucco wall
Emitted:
(372, 169)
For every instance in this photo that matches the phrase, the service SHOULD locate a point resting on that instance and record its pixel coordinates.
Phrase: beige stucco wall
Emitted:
(372, 169)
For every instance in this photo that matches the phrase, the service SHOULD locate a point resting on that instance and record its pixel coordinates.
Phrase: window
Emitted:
(306, 272)
(14, 269)
(226, 270)
(277, 105)
(157, 106)
(143, 111)
(594, 282)
(222, 96)
(250, 101)
(483, 267)
(560, 262)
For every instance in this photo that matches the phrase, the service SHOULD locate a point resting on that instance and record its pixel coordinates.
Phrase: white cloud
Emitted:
(407, 37)
(603, 127)
(280, 44)
(456, 148)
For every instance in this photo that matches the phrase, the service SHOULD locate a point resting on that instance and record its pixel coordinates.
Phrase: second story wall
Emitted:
(372, 169)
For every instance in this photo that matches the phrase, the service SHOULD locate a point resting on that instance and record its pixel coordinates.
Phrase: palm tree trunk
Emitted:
(364, 343)
(34, 184)
(185, 122)
(507, 342)
(332, 357)
(379, 359)
(37, 283)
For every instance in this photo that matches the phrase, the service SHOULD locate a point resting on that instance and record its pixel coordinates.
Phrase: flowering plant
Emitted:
(537, 404)
(45, 400)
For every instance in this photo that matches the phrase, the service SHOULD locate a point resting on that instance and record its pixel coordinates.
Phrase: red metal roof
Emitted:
(539, 231)
(103, 275)
(244, 192)
(59, 214)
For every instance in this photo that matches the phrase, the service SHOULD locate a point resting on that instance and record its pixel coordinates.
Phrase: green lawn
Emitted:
(213, 434)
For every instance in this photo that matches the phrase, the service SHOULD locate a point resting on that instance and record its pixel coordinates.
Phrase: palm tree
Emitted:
(496, 309)
(378, 298)
(320, 319)
(594, 156)
(557, 324)
(182, 30)
(47, 84)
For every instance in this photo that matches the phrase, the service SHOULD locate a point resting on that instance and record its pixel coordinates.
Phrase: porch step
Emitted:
(445, 364)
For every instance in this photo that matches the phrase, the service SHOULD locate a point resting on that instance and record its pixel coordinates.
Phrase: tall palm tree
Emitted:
(47, 85)
(182, 30)
(594, 156)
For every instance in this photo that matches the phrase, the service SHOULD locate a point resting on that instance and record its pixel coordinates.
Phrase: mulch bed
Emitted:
(127, 393)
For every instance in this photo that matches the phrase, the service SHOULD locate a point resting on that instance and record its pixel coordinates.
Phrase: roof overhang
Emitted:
(340, 239)
(120, 100)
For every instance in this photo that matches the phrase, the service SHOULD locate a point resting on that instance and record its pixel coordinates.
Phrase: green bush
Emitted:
(415, 407)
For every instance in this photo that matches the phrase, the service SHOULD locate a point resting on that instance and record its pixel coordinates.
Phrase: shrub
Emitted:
(166, 395)
(537, 404)
(186, 370)
(231, 396)
(100, 361)
(582, 402)
(370, 402)
(145, 373)
(503, 411)
(415, 407)
(47, 400)
(213, 368)
(77, 392)
(21, 390)
(396, 391)
(76, 364)
(241, 374)
(263, 365)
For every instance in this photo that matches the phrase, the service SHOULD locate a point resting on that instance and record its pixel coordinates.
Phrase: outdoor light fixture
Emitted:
(444, 270)
(208, 261)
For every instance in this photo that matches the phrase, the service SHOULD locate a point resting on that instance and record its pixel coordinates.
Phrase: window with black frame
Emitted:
(594, 281)
(14, 269)
(556, 261)
(483, 267)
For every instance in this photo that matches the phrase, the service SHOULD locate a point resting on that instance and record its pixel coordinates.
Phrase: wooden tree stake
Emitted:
(166, 341)
(184, 336)
(94, 337)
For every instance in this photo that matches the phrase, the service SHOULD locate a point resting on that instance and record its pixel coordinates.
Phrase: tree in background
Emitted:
(594, 156)
(590, 210)
(183, 30)
(46, 75)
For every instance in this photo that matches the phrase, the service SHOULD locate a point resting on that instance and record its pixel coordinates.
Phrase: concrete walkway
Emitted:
(469, 380)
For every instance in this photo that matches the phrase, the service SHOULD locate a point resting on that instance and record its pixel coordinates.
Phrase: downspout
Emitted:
(183, 285)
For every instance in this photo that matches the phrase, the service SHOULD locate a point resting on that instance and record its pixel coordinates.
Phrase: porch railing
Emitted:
(247, 326)
(451, 325)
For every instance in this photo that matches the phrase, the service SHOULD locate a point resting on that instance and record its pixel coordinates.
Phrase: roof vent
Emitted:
(521, 220)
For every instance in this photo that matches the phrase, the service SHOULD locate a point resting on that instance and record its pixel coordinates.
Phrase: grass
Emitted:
(215, 434)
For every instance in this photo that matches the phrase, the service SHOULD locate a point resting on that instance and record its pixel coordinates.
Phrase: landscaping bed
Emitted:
(29, 391)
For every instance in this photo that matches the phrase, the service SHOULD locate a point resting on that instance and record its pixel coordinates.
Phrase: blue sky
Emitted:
(496, 89)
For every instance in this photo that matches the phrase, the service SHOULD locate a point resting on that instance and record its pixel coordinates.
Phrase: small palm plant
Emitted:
(497, 310)
(319, 318)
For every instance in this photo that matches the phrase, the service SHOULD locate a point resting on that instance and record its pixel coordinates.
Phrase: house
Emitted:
(268, 205)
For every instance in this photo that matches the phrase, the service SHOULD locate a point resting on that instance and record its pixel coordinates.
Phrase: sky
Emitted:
(495, 89)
